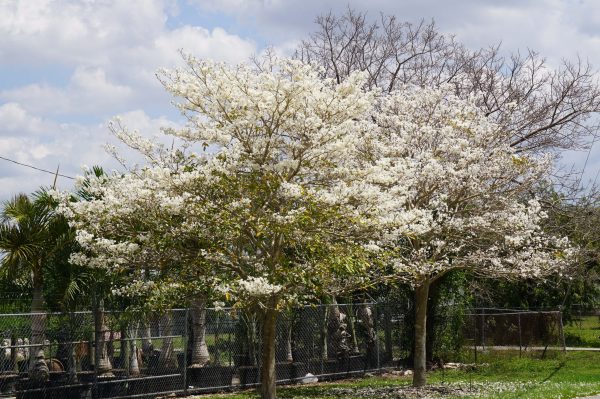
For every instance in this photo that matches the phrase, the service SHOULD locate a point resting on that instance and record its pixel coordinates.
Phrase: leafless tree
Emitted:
(543, 107)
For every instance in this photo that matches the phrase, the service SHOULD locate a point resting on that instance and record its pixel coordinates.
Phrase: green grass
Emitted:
(502, 375)
(583, 332)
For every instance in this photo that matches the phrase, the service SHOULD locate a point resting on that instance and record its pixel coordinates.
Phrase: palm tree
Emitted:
(31, 235)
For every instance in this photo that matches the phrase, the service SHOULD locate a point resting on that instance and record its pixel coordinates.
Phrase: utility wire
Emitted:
(36, 168)
(587, 158)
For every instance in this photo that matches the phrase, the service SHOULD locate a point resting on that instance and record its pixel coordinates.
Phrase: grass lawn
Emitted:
(583, 331)
(502, 375)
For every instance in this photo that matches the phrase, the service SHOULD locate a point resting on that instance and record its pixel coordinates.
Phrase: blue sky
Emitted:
(67, 67)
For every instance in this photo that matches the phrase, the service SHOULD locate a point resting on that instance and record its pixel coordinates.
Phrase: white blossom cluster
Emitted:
(134, 288)
(448, 190)
(285, 119)
(258, 287)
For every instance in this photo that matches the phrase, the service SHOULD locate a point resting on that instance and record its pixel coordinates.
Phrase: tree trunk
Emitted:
(352, 329)
(166, 358)
(420, 366)
(147, 346)
(102, 359)
(253, 340)
(38, 369)
(134, 365)
(110, 346)
(38, 320)
(134, 359)
(289, 354)
(145, 334)
(366, 316)
(267, 371)
(200, 355)
(338, 334)
(387, 325)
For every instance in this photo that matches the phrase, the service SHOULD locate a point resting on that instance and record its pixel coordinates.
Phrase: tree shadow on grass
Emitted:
(548, 377)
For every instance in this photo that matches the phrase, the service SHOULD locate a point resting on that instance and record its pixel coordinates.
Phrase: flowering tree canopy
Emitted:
(451, 191)
(272, 146)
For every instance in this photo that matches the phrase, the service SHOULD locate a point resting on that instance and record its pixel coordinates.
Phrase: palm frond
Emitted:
(16, 209)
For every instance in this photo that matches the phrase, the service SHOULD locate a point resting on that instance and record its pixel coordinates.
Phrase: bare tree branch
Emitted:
(541, 107)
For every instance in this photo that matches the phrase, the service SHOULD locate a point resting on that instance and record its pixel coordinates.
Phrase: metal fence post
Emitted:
(97, 351)
(323, 337)
(562, 332)
(520, 344)
(185, 350)
(475, 337)
(376, 317)
(483, 329)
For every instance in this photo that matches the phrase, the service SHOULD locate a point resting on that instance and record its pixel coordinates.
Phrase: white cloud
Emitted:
(45, 143)
(106, 34)
(88, 91)
(113, 48)
(13, 118)
(217, 44)
(77, 32)
(110, 49)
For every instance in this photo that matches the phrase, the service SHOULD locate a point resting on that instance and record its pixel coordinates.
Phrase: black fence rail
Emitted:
(104, 354)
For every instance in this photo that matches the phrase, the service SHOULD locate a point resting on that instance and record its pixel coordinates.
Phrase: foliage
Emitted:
(575, 216)
(447, 307)
(37, 243)
(583, 331)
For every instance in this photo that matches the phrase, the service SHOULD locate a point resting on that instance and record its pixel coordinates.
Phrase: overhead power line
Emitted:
(36, 168)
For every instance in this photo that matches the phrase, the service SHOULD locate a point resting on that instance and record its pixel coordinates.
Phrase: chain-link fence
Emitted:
(583, 328)
(104, 354)
(510, 329)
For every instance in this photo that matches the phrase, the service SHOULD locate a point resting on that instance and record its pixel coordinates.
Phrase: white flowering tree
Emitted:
(258, 212)
(452, 194)
(132, 225)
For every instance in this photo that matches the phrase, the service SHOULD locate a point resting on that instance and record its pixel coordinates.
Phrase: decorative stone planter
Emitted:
(209, 376)
(248, 375)
(8, 380)
(156, 384)
(57, 388)
(290, 371)
(352, 364)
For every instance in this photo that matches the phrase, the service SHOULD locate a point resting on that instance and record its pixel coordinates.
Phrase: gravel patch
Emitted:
(408, 392)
